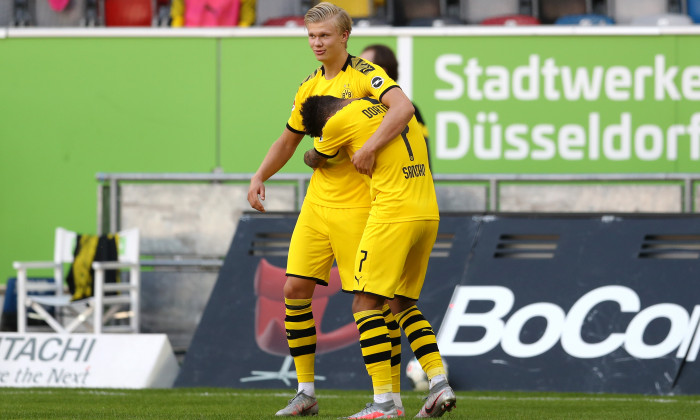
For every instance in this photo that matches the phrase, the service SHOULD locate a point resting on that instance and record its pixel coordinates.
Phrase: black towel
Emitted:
(91, 248)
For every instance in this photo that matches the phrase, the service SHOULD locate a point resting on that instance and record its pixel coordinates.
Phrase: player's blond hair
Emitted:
(324, 11)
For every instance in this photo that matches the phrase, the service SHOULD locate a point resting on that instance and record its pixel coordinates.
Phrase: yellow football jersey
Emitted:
(401, 187)
(338, 184)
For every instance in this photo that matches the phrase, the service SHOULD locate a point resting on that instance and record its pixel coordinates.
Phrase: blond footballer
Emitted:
(336, 205)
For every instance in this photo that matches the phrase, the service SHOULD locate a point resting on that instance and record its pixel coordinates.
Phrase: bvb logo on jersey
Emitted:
(347, 93)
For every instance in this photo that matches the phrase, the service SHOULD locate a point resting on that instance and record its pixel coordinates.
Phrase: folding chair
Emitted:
(89, 312)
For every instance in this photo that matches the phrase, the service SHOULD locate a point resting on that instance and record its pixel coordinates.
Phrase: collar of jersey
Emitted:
(345, 66)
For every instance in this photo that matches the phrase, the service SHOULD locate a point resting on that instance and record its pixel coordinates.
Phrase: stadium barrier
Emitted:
(86, 360)
(549, 302)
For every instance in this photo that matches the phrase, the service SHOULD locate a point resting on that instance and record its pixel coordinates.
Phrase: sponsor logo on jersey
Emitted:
(362, 66)
(377, 82)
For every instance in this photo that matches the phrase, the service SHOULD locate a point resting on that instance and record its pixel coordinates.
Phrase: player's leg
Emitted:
(441, 397)
(378, 266)
(376, 353)
(301, 336)
(347, 227)
(418, 330)
(301, 329)
(308, 263)
(395, 338)
(422, 339)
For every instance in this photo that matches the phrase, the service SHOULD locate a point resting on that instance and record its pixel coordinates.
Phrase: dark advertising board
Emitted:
(590, 303)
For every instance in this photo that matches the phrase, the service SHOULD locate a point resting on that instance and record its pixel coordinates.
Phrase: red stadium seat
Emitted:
(285, 21)
(128, 12)
(511, 20)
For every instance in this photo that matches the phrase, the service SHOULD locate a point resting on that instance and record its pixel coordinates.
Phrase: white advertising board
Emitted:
(87, 360)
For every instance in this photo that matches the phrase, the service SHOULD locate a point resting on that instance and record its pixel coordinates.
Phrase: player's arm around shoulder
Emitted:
(313, 159)
(277, 156)
(400, 112)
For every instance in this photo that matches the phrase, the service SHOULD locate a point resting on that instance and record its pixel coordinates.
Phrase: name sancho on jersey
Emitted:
(413, 171)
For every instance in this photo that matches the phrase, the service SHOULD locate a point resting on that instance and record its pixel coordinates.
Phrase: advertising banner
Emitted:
(560, 104)
(87, 360)
(550, 303)
(577, 303)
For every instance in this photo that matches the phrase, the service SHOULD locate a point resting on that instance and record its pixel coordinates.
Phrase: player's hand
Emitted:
(363, 161)
(256, 194)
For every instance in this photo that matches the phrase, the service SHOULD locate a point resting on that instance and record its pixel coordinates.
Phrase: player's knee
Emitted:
(400, 304)
(298, 288)
(366, 302)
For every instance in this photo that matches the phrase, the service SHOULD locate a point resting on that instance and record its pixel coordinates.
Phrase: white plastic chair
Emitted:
(90, 311)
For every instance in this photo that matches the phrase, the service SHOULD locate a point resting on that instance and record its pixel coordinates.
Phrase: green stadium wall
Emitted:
(73, 104)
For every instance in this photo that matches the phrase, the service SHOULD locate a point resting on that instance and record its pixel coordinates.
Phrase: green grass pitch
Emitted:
(224, 403)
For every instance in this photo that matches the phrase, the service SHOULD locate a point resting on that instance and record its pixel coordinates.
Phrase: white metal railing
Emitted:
(110, 182)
